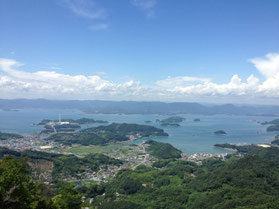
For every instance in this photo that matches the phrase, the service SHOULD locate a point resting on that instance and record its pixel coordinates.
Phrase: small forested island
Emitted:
(274, 125)
(9, 110)
(272, 128)
(220, 132)
(101, 135)
(148, 121)
(162, 150)
(197, 120)
(6, 136)
(171, 121)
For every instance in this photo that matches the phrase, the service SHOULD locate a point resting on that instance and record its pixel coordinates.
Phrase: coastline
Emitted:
(224, 148)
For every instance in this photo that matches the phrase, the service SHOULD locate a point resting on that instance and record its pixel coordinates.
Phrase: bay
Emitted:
(191, 137)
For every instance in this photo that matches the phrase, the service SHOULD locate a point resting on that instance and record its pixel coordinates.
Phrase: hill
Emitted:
(248, 182)
(62, 166)
(162, 150)
(272, 128)
(101, 135)
(6, 136)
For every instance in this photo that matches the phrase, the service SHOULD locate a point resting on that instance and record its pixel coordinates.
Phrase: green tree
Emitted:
(16, 187)
(67, 198)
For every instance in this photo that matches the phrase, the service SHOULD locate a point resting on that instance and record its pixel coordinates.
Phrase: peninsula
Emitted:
(66, 125)
(102, 135)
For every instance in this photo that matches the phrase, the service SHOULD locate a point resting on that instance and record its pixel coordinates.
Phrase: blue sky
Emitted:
(134, 46)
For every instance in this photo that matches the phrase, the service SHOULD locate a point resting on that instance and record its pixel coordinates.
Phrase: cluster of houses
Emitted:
(199, 157)
(32, 141)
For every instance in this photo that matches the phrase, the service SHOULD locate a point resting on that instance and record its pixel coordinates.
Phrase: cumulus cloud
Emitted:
(234, 87)
(50, 84)
(146, 5)
(268, 66)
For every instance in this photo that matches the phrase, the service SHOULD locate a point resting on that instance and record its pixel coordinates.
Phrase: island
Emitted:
(102, 135)
(171, 121)
(197, 120)
(80, 121)
(9, 110)
(220, 132)
(66, 125)
(148, 121)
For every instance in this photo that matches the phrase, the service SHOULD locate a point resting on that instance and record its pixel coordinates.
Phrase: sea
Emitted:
(191, 137)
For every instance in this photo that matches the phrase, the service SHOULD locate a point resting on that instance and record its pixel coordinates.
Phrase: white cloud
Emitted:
(50, 84)
(97, 27)
(16, 83)
(85, 8)
(146, 5)
(269, 66)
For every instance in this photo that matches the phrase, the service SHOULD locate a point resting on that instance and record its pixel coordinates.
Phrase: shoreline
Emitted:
(230, 149)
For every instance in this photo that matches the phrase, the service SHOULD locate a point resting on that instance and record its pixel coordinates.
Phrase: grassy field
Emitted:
(84, 150)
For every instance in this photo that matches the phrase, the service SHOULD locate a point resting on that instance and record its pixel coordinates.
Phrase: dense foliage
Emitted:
(101, 135)
(272, 128)
(65, 165)
(171, 121)
(248, 182)
(245, 149)
(61, 128)
(251, 181)
(17, 190)
(162, 150)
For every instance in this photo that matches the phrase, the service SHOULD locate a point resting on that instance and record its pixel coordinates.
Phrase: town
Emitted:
(132, 155)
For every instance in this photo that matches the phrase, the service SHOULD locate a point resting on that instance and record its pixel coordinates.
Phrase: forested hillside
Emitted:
(251, 181)
(101, 135)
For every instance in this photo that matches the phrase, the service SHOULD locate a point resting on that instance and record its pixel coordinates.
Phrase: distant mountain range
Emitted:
(129, 107)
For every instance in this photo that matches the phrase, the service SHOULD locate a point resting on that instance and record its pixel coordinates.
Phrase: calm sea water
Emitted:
(191, 137)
